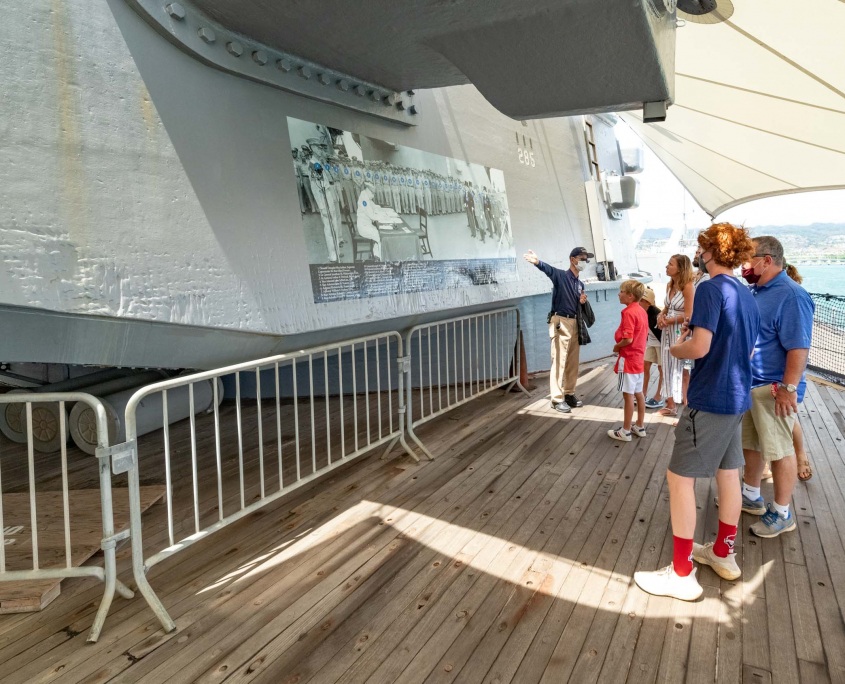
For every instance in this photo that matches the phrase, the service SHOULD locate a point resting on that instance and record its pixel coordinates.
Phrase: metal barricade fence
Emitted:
(454, 361)
(327, 406)
(827, 351)
(107, 573)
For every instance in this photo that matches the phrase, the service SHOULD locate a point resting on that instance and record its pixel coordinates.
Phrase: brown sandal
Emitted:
(805, 470)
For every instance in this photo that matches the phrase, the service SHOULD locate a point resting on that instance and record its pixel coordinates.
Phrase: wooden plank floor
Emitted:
(508, 559)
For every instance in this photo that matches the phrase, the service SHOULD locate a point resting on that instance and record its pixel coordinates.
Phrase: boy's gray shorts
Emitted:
(706, 442)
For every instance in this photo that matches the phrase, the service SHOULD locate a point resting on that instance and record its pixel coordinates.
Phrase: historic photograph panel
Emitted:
(382, 219)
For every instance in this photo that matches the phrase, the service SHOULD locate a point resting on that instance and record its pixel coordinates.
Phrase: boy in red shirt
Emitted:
(631, 338)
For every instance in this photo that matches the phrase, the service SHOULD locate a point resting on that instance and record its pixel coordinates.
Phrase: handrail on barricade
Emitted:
(106, 574)
(458, 352)
(360, 380)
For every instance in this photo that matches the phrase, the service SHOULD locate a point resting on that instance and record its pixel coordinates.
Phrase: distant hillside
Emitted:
(818, 240)
(814, 232)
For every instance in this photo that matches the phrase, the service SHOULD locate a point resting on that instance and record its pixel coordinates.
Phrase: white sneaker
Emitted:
(620, 434)
(666, 583)
(726, 568)
(638, 431)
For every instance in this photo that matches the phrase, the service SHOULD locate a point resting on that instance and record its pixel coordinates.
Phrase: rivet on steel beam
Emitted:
(175, 10)
(235, 48)
(412, 109)
(284, 64)
(260, 57)
(343, 85)
(400, 106)
(305, 72)
(375, 96)
(207, 34)
(359, 90)
(324, 79)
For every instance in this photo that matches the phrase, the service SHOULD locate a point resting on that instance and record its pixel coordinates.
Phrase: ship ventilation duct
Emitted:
(633, 159)
(621, 192)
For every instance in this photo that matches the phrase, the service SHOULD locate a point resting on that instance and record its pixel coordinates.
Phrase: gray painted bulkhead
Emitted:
(149, 210)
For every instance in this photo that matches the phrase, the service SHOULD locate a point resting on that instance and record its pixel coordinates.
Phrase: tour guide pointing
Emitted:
(567, 296)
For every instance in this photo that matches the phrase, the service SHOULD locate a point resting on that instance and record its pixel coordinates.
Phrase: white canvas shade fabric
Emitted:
(759, 104)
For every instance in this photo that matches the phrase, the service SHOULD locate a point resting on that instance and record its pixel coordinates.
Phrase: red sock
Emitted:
(724, 540)
(682, 556)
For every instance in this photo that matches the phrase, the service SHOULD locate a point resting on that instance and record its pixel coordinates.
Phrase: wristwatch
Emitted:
(789, 388)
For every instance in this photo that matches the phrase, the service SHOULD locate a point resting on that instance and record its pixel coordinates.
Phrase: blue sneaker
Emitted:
(771, 524)
(753, 506)
(650, 403)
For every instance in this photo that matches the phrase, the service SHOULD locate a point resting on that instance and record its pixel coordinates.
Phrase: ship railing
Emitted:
(328, 406)
(55, 561)
(454, 361)
(827, 350)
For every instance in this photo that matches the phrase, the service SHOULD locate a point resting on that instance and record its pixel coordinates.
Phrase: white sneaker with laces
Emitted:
(620, 434)
(666, 583)
(726, 568)
(638, 431)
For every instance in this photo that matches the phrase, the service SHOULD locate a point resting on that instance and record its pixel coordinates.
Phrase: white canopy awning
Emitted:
(759, 103)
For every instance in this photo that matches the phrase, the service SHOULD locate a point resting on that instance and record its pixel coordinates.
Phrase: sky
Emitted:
(664, 203)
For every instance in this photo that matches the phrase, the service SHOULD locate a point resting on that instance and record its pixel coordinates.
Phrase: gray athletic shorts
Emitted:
(706, 442)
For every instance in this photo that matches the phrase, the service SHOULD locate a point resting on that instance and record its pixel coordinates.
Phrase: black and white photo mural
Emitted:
(383, 219)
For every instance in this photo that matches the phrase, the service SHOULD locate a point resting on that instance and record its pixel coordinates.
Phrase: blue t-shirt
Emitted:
(786, 313)
(721, 380)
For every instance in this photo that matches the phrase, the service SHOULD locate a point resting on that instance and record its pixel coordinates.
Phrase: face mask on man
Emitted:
(696, 263)
(580, 265)
(750, 277)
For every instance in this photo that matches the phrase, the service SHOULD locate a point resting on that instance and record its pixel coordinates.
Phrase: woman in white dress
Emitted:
(678, 306)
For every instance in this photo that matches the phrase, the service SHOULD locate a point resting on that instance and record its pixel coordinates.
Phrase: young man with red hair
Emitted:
(708, 438)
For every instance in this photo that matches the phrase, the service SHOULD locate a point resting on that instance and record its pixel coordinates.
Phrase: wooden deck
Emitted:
(508, 559)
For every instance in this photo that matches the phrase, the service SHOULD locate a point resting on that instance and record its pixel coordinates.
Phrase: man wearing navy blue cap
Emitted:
(567, 297)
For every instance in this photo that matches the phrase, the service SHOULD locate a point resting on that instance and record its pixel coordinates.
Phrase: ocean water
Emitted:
(823, 278)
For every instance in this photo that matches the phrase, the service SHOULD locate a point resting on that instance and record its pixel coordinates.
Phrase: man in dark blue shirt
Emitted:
(708, 438)
(567, 296)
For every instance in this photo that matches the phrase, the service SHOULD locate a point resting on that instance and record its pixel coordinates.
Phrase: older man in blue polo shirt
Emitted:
(778, 384)
(567, 296)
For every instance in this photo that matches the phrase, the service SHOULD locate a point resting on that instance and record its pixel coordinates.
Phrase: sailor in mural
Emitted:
(469, 205)
(305, 176)
(395, 190)
(418, 189)
(487, 207)
(370, 215)
(300, 187)
(325, 195)
(479, 214)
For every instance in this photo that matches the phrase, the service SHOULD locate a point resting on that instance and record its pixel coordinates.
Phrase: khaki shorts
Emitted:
(765, 432)
(652, 354)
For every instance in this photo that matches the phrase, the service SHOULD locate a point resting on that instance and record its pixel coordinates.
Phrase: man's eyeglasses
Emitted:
(762, 255)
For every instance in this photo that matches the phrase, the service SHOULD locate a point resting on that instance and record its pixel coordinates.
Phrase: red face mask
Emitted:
(750, 276)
